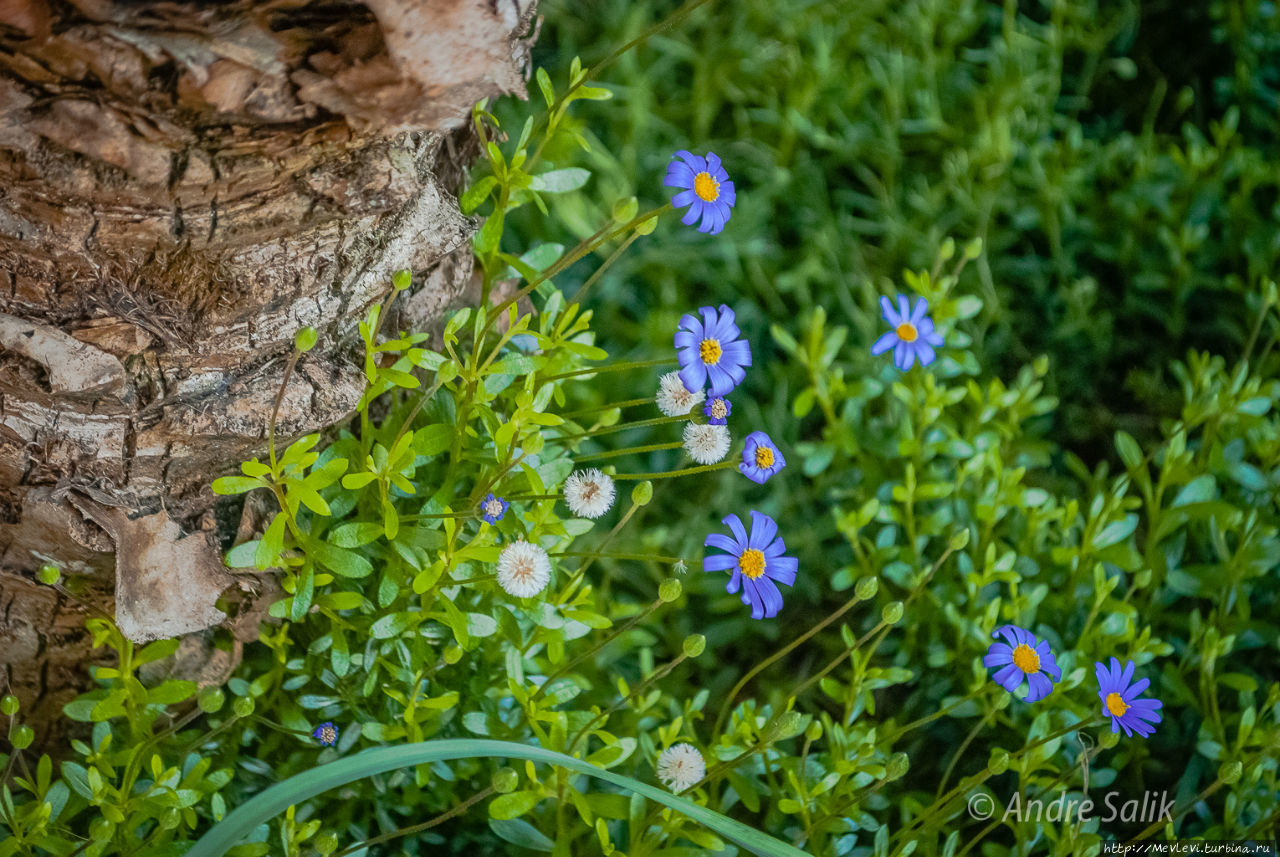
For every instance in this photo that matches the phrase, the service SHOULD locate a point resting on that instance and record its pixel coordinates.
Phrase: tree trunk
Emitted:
(183, 186)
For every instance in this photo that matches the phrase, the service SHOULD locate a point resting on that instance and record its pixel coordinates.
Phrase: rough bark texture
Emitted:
(184, 185)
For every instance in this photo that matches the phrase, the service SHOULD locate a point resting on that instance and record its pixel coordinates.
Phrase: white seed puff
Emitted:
(706, 444)
(674, 399)
(680, 766)
(524, 569)
(589, 493)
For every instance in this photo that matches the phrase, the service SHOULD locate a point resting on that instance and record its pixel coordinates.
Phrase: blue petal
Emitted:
(903, 356)
(884, 343)
(721, 382)
(1128, 673)
(738, 349)
(904, 307)
(924, 352)
(922, 306)
(1009, 677)
(734, 523)
(713, 162)
(763, 531)
(1040, 687)
(695, 162)
(722, 542)
(719, 562)
(694, 212)
(1136, 689)
(755, 474)
(694, 376)
(752, 595)
(735, 582)
(679, 175)
(783, 569)
(686, 339)
(683, 198)
(769, 595)
(996, 658)
(728, 194)
(890, 314)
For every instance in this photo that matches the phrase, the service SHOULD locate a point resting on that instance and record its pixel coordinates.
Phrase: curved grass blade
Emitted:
(226, 833)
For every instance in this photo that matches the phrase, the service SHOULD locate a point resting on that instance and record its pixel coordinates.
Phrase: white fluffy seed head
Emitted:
(706, 444)
(589, 493)
(524, 569)
(674, 399)
(680, 766)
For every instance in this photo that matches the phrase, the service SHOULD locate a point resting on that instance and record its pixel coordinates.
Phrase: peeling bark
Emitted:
(183, 186)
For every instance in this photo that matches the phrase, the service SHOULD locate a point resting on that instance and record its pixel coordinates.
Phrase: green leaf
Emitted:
(522, 833)
(513, 805)
(356, 534)
(560, 181)
(379, 760)
(340, 561)
(1130, 452)
(394, 625)
(477, 194)
(544, 84)
(171, 691)
(228, 485)
(1116, 531)
(433, 439)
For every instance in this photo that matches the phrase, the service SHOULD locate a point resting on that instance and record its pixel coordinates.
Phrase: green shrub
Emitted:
(1066, 465)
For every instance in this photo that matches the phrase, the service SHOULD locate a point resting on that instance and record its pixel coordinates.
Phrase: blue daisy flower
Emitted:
(913, 336)
(760, 458)
(705, 188)
(493, 508)
(756, 561)
(711, 349)
(717, 410)
(326, 733)
(1120, 699)
(1023, 656)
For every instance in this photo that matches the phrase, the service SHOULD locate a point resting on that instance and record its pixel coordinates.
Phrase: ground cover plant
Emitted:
(793, 503)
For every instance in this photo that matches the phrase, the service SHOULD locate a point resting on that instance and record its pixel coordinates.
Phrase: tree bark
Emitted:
(183, 186)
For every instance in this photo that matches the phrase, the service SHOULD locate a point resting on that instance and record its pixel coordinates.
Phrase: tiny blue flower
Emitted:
(326, 733)
(913, 336)
(760, 458)
(494, 508)
(717, 410)
(705, 188)
(711, 349)
(1023, 656)
(1119, 699)
(757, 563)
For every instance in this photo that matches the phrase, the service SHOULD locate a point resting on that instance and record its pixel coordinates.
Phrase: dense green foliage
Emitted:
(1094, 456)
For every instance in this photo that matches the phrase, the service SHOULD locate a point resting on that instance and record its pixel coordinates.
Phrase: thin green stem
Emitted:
(418, 828)
(573, 662)
(616, 367)
(656, 421)
(613, 257)
(607, 406)
(642, 557)
(688, 471)
(615, 453)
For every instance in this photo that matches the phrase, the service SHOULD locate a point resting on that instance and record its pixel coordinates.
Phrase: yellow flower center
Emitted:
(907, 332)
(764, 456)
(752, 563)
(710, 351)
(1116, 704)
(707, 188)
(1026, 659)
